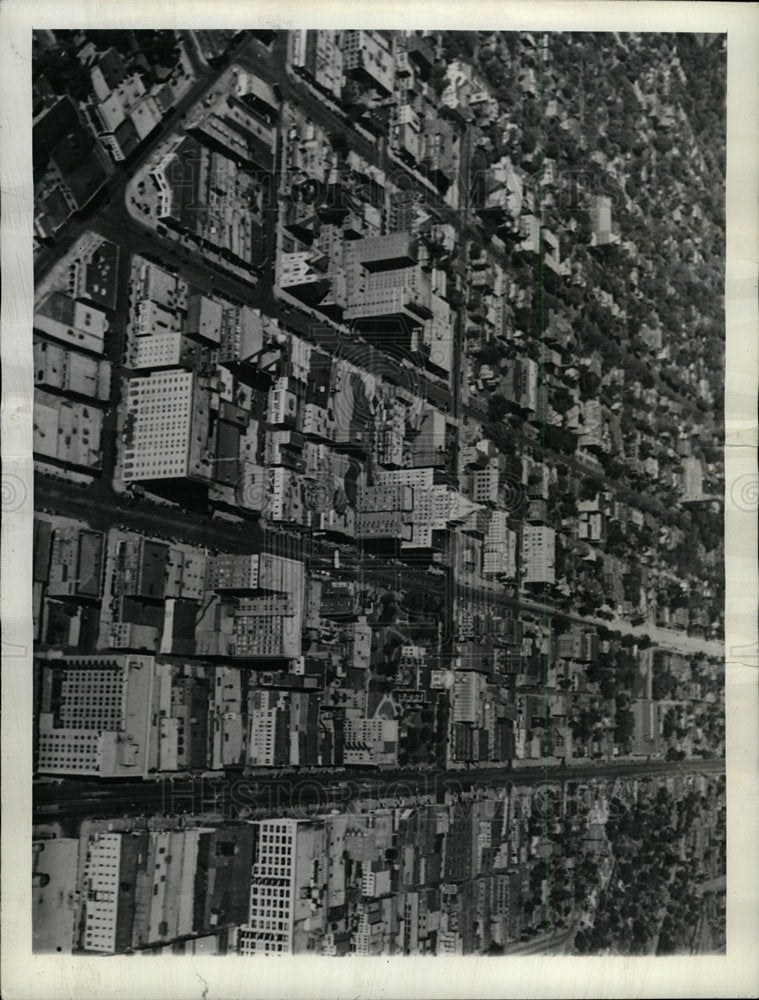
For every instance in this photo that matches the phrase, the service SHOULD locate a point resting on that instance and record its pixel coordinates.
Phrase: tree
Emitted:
(608, 686)
(624, 726)
(498, 406)
(490, 355)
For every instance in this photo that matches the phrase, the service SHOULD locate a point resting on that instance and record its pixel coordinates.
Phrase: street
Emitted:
(318, 789)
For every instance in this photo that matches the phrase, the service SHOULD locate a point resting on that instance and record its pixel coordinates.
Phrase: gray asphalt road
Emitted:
(317, 789)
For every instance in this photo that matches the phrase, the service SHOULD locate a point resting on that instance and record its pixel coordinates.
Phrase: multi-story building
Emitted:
(259, 571)
(383, 524)
(69, 371)
(98, 718)
(692, 478)
(205, 194)
(204, 319)
(521, 384)
(383, 281)
(287, 885)
(76, 563)
(66, 431)
(603, 230)
(154, 284)
(486, 484)
(538, 554)
(166, 350)
(102, 873)
(71, 321)
(258, 633)
(390, 497)
(499, 547)
(371, 741)
(318, 54)
(268, 738)
(141, 889)
(368, 58)
(165, 439)
(468, 689)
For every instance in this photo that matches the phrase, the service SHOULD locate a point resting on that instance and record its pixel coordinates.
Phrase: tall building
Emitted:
(166, 436)
(268, 615)
(521, 385)
(499, 548)
(268, 741)
(367, 58)
(320, 57)
(97, 716)
(384, 281)
(259, 633)
(538, 554)
(289, 874)
(486, 484)
(102, 872)
(603, 230)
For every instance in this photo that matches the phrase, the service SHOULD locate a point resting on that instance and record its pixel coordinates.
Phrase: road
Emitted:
(664, 638)
(112, 193)
(318, 790)
(103, 509)
(553, 943)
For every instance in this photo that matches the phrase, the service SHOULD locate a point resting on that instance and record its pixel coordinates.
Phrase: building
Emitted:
(266, 618)
(486, 484)
(391, 497)
(318, 54)
(499, 547)
(76, 323)
(66, 431)
(266, 628)
(145, 888)
(54, 894)
(206, 194)
(97, 716)
(66, 371)
(268, 738)
(367, 58)
(151, 283)
(468, 690)
(166, 350)
(692, 479)
(70, 166)
(76, 563)
(260, 571)
(93, 274)
(371, 741)
(647, 731)
(521, 384)
(383, 524)
(164, 435)
(204, 318)
(234, 129)
(603, 230)
(383, 281)
(538, 554)
(286, 886)
(101, 878)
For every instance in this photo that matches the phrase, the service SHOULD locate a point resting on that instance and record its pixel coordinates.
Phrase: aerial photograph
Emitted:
(378, 445)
